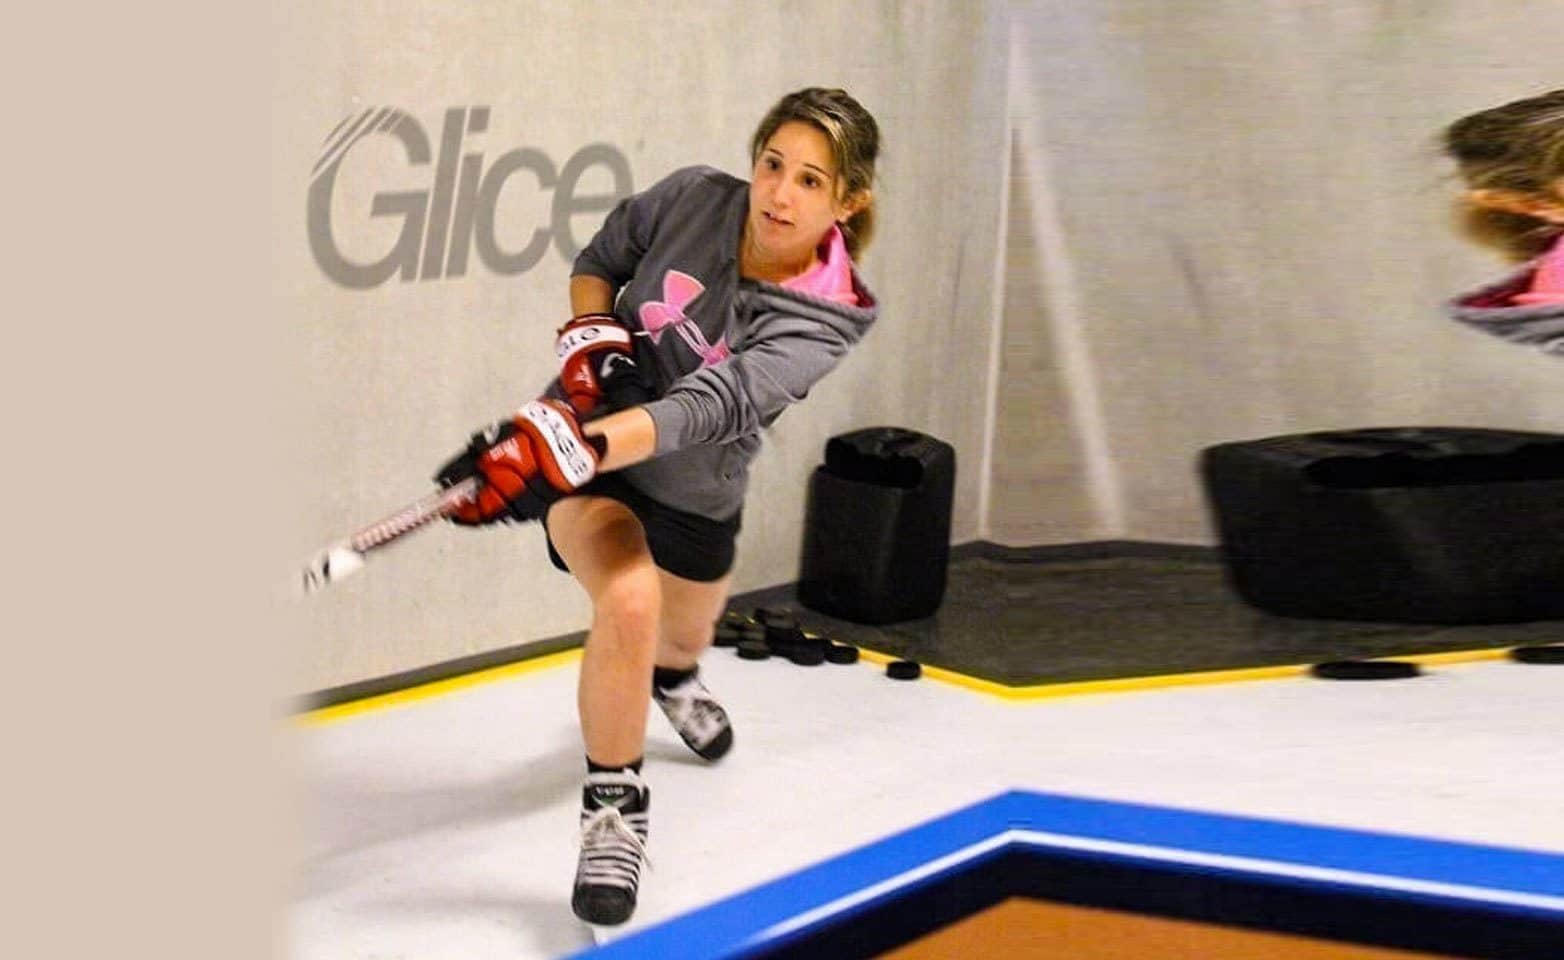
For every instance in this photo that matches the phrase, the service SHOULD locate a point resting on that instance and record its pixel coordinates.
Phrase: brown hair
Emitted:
(855, 143)
(1517, 147)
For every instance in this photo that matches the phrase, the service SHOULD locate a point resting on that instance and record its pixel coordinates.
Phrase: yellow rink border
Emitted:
(1162, 681)
(435, 688)
(425, 691)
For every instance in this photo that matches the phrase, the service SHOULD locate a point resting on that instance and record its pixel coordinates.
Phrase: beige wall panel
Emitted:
(393, 377)
(1041, 477)
(1252, 199)
(1226, 220)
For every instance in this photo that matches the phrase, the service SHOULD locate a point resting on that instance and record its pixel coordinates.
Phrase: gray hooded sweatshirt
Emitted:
(1490, 309)
(726, 355)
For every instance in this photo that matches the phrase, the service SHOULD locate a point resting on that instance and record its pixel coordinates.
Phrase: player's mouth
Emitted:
(775, 220)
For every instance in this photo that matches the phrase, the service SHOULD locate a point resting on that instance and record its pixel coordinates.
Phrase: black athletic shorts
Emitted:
(686, 545)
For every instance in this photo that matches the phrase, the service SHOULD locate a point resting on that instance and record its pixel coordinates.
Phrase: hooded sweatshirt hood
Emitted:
(1518, 308)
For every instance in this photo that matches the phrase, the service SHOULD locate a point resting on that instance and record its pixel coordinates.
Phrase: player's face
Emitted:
(794, 196)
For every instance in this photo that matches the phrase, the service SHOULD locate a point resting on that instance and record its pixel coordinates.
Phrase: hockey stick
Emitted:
(346, 557)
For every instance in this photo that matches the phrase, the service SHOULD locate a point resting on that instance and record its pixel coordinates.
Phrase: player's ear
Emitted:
(855, 202)
(1538, 205)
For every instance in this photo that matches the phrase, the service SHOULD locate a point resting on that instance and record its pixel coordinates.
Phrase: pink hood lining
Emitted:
(832, 277)
(1547, 283)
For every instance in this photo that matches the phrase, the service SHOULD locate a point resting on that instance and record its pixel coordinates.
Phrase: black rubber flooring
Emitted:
(1063, 614)
(1057, 615)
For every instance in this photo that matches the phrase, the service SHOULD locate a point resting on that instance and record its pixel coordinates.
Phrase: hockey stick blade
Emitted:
(346, 557)
(336, 562)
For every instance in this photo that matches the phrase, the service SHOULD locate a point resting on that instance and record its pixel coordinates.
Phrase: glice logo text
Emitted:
(441, 226)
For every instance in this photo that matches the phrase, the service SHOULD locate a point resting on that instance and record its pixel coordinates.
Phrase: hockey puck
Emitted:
(807, 656)
(841, 653)
(733, 619)
(753, 631)
(782, 638)
(903, 670)
(727, 636)
(782, 630)
(1543, 653)
(813, 641)
(1365, 670)
(749, 650)
(779, 614)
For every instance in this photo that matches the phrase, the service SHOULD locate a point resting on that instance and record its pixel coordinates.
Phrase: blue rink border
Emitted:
(1406, 891)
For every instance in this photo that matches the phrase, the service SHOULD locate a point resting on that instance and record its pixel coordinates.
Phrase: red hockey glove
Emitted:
(526, 463)
(598, 372)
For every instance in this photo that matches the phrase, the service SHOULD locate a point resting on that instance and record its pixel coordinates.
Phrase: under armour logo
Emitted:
(679, 289)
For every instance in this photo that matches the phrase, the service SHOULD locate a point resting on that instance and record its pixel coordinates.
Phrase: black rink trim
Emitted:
(1197, 895)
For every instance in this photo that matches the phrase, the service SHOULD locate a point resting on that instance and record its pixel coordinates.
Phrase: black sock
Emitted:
(666, 678)
(595, 767)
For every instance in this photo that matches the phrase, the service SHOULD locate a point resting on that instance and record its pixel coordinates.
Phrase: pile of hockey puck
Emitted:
(775, 632)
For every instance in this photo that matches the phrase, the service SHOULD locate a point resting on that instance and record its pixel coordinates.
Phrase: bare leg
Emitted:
(605, 547)
(690, 609)
(689, 614)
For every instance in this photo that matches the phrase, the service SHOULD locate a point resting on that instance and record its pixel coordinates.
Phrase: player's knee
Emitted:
(627, 610)
(686, 641)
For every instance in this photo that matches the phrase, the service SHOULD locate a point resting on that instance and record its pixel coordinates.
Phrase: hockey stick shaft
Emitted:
(416, 514)
(345, 557)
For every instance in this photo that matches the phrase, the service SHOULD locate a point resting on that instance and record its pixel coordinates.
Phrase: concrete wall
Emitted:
(394, 373)
(1245, 219)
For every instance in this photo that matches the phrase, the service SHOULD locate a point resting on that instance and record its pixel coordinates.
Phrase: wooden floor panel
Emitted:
(1021, 928)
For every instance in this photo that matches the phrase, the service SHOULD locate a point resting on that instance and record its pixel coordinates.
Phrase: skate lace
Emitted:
(693, 711)
(612, 848)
